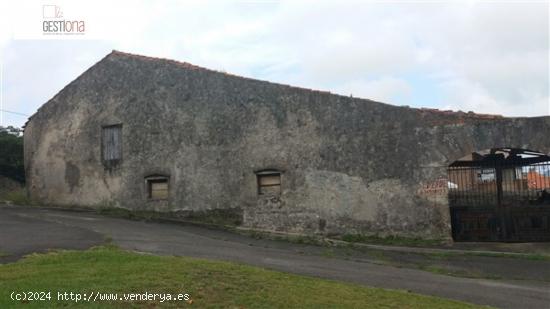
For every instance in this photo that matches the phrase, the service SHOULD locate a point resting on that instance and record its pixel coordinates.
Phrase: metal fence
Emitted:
(500, 200)
(499, 185)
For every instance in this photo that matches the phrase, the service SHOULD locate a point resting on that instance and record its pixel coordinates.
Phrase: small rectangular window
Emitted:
(269, 182)
(158, 188)
(111, 144)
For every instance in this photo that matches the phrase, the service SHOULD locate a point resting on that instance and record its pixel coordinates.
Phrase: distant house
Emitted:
(536, 180)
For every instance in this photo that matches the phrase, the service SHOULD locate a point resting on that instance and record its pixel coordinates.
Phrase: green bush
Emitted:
(11, 157)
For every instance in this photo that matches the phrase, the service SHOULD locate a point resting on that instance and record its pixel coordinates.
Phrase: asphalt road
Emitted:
(25, 230)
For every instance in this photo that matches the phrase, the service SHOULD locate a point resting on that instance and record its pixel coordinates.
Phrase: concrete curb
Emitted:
(394, 248)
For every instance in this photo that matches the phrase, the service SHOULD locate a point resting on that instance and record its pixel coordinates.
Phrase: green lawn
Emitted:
(210, 284)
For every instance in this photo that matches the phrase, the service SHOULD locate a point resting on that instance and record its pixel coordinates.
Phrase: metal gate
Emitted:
(503, 195)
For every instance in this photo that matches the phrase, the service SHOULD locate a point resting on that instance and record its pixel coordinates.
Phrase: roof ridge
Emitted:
(422, 110)
(459, 112)
(188, 65)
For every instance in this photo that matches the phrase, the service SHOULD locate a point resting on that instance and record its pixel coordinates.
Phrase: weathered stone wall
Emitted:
(349, 165)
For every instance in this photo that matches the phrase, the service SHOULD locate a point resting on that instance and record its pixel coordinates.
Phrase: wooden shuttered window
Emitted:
(269, 182)
(111, 144)
(158, 187)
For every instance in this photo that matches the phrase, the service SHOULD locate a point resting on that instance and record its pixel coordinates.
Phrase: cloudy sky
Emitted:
(487, 57)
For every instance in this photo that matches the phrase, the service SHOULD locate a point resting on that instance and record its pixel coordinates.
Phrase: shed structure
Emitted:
(153, 134)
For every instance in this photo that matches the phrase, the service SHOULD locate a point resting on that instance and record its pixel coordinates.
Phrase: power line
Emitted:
(15, 113)
(2, 110)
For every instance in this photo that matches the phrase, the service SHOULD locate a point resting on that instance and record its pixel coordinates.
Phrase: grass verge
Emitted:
(391, 240)
(210, 284)
(16, 196)
(219, 218)
(295, 239)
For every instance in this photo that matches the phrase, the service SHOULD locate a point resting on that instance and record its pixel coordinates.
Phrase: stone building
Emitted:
(145, 133)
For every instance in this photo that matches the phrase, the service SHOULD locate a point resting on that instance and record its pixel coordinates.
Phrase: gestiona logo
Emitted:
(54, 22)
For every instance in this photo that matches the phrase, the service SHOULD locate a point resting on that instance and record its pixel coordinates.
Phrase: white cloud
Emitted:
(489, 57)
(470, 96)
(384, 89)
(492, 57)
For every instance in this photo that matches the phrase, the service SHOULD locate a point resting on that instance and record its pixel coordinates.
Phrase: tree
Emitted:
(11, 157)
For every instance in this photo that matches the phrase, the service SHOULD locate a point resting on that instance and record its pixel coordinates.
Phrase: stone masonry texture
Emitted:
(348, 165)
